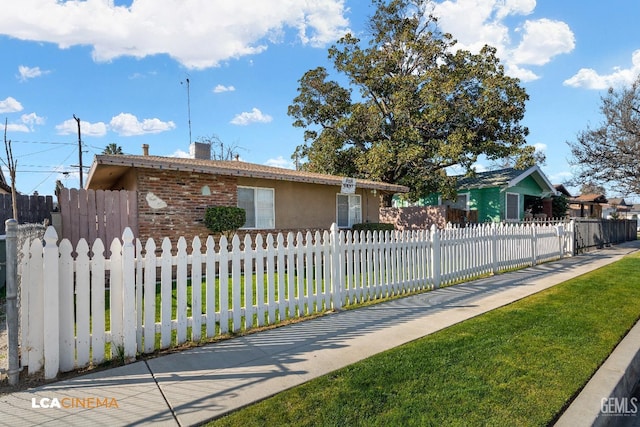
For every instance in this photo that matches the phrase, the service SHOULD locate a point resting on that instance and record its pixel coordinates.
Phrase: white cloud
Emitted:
(17, 127)
(10, 105)
(70, 127)
(589, 78)
(182, 30)
(541, 41)
(181, 154)
(560, 177)
(540, 146)
(280, 162)
(475, 23)
(255, 116)
(126, 124)
(26, 73)
(222, 88)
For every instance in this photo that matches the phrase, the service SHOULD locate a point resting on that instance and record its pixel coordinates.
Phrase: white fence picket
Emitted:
(181, 291)
(35, 288)
(98, 303)
(83, 303)
(116, 304)
(51, 296)
(196, 289)
(66, 299)
(149, 295)
(166, 293)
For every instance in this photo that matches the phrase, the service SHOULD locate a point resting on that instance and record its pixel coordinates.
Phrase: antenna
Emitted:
(188, 105)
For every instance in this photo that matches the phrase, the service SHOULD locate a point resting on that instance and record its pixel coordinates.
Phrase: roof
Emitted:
(617, 202)
(590, 198)
(504, 178)
(561, 189)
(3, 183)
(106, 169)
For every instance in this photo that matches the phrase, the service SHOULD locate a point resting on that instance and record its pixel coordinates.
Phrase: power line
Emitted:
(45, 142)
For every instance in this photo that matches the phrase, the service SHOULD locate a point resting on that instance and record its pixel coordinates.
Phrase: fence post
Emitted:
(11, 227)
(494, 248)
(534, 245)
(571, 239)
(436, 256)
(336, 267)
(51, 270)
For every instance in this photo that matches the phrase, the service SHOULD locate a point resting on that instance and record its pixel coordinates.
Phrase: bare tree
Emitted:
(11, 164)
(219, 150)
(610, 154)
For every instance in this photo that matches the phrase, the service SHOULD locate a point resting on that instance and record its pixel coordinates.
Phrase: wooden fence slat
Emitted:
(98, 302)
(149, 295)
(181, 291)
(83, 303)
(66, 309)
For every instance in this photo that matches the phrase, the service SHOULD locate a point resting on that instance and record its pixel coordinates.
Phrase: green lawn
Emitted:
(517, 365)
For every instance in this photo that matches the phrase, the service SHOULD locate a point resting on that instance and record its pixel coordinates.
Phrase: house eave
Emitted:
(166, 163)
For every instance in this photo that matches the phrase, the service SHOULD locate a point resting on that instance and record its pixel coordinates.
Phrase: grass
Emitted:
(517, 365)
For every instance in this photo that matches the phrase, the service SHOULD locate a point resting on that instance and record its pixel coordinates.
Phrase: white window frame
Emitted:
(506, 207)
(260, 222)
(354, 217)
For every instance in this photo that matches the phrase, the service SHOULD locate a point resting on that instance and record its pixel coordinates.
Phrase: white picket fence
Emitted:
(84, 310)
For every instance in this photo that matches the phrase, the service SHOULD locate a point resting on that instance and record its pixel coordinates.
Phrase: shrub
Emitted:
(224, 219)
(373, 226)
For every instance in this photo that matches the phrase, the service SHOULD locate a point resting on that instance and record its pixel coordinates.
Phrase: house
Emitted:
(587, 205)
(615, 207)
(502, 195)
(4, 187)
(173, 194)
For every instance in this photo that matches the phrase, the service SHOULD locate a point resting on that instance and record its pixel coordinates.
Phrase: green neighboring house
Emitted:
(500, 195)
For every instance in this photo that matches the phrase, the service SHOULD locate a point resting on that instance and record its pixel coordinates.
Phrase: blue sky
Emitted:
(121, 67)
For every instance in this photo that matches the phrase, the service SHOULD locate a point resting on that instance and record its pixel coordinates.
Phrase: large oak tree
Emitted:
(410, 106)
(610, 154)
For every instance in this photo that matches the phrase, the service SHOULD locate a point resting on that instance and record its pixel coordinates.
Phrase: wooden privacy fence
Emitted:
(31, 209)
(150, 301)
(97, 214)
(596, 233)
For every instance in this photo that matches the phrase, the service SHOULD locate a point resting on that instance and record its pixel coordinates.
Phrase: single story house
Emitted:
(587, 205)
(616, 207)
(173, 194)
(501, 195)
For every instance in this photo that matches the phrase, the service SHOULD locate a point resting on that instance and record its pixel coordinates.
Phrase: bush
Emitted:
(373, 226)
(224, 219)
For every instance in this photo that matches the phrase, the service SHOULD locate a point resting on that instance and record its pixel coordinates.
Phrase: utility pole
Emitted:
(79, 149)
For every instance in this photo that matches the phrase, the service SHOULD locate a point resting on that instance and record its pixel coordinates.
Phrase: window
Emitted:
(513, 206)
(349, 210)
(259, 206)
(462, 202)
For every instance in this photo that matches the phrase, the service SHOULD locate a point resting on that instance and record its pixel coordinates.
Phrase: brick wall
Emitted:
(173, 203)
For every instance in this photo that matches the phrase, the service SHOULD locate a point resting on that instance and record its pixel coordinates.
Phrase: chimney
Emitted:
(145, 149)
(200, 150)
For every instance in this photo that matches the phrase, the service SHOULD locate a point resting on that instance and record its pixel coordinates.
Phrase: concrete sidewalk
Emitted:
(196, 385)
